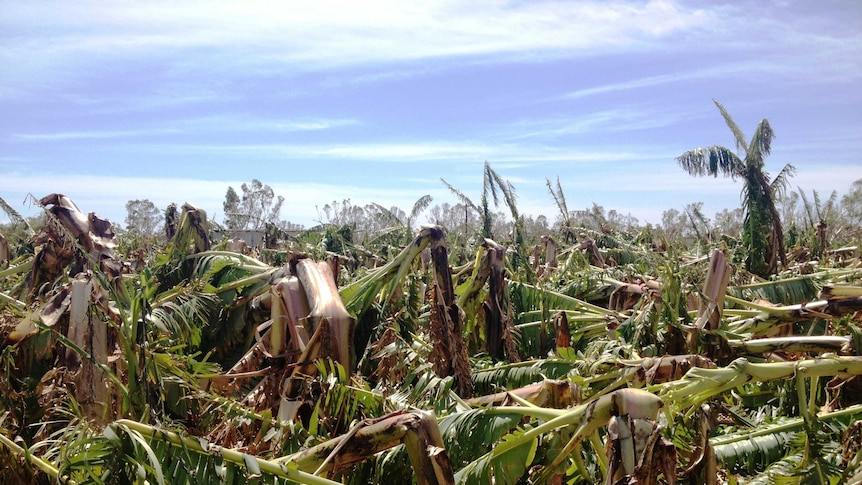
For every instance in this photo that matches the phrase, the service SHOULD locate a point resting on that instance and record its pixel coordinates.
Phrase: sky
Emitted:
(376, 101)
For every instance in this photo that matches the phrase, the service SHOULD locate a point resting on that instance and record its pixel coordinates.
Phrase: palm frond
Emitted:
(512, 376)
(559, 199)
(460, 196)
(508, 192)
(488, 185)
(15, 216)
(713, 161)
(761, 144)
(557, 301)
(830, 204)
(780, 182)
(420, 205)
(387, 214)
(738, 137)
(506, 468)
(150, 451)
(469, 434)
(809, 209)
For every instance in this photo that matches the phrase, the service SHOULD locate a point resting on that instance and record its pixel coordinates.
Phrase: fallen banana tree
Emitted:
(417, 430)
(517, 449)
(294, 406)
(699, 385)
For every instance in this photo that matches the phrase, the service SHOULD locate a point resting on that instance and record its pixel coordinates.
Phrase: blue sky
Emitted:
(377, 101)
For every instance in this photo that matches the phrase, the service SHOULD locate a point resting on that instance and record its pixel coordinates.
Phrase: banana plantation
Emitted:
(428, 356)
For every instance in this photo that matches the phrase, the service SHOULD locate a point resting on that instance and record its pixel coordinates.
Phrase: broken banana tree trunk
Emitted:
(88, 240)
(562, 331)
(418, 431)
(548, 248)
(842, 300)
(584, 419)
(699, 385)
(595, 256)
(637, 453)
(4, 252)
(369, 298)
(331, 328)
(550, 393)
(499, 330)
(289, 307)
(712, 303)
(89, 334)
(798, 343)
(449, 353)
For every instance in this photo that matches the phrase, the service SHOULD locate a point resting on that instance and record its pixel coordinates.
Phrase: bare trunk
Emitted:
(332, 330)
(90, 335)
(447, 316)
(493, 306)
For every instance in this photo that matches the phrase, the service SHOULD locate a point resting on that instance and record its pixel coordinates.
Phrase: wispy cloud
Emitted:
(196, 126)
(651, 81)
(267, 36)
(627, 118)
(419, 150)
(93, 135)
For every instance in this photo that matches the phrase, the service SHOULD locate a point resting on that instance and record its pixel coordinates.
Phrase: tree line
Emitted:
(770, 219)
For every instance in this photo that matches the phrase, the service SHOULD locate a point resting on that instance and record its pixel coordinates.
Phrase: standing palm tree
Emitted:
(762, 234)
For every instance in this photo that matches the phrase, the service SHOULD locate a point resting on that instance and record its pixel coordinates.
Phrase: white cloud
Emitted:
(462, 153)
(615, 120)
(197, 126)
(677, 77)
(47, 42)
(92, 135)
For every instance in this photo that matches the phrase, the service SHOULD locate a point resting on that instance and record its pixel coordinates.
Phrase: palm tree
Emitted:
(762, 234)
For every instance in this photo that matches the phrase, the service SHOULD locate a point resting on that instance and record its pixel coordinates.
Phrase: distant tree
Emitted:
(851, 209)
(345, 213)
(624, 223)
(592, 218)
(257, 206)
(458, 218)
(673, 224)
(851, 203)
(762, 236)
(536, 227)
(729, 222)
(142, 217)
(232, 216)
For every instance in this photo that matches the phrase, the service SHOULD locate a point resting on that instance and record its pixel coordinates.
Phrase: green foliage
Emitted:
(787, 291)
(498, 378)
(191, 312)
